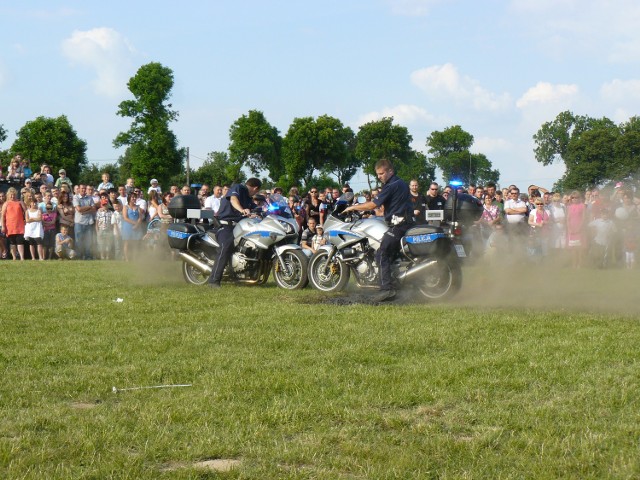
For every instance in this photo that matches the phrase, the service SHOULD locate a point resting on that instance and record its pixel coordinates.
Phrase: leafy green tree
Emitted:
(450, 152)
(323, 144)
(52, 141)
(627, 151)
(3, 134)
(256, 144)
(152, 148)
(586, 145)
(418, 167)
(382, 139)
(217, 169)
(336, 149)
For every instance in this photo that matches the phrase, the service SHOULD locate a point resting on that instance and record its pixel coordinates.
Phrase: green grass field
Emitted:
(527, 374)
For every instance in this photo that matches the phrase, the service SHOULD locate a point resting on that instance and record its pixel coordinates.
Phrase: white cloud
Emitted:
(621, 90)
(546, 93)
(444, 81)
(489, 145)
(412, 8)
(107, 52)
(402, 115)
(594, 28)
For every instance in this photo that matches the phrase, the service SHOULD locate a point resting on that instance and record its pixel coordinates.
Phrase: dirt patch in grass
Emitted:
(85, 405)
(216, 465)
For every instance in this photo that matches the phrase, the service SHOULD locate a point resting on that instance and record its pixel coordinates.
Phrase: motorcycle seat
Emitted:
(424, 230)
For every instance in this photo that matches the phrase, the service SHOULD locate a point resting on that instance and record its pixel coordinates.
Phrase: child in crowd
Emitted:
(604, 231)
(104, 228)
(116, 223)
(318, 239)
(49, 221)
(64, 244)
(33, 230)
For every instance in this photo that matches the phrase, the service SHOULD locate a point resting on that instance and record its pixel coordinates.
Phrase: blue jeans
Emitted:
(84, 240)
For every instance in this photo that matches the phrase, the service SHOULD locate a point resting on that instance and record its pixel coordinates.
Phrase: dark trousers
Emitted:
(225, 240)
(386, 254)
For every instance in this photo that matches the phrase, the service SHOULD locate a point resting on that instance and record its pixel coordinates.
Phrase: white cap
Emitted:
(153, 180)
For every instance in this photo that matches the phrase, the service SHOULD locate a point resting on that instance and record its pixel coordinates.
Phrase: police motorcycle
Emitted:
(429, 258)
(265, 241)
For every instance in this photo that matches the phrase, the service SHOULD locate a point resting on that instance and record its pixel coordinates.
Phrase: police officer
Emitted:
(398, 213)
(237, 203)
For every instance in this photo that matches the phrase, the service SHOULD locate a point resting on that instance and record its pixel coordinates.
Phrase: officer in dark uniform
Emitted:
(237, 203)
(398, 213)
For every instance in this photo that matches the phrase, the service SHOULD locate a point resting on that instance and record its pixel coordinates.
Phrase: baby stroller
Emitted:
(151, 238)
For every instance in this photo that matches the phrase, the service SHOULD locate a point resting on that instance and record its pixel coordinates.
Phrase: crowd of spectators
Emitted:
(57, 219)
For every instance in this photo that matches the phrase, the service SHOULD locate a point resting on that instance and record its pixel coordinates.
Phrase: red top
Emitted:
(14, 218)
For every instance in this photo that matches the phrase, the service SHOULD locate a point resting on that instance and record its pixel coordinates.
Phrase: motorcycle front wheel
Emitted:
(441, 281)
(330, 276)
(192, 275)
(293, 275)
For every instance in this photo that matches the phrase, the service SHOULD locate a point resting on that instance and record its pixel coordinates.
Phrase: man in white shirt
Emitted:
(515, 211)
(213, 202)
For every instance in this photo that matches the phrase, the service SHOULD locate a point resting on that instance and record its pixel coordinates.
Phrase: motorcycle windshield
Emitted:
(278, 205)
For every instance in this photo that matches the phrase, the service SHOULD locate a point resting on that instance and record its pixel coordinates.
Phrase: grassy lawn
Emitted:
(528, 374)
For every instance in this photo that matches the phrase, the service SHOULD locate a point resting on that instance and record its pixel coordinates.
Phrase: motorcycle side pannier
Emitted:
(178, 234)
(179, 205)
(425, 241)
(468, 209)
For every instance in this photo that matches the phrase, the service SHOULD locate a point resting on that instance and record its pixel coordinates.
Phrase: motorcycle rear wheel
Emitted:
(192, 275)
(294, 275)
(332, 277)
(441, 281)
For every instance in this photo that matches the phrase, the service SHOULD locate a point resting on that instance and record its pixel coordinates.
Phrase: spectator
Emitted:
(64, 244)
(203, 194)
(66, 212)
(515, 214)
(155, 186)
(132, 221)
(13, 213)
(185, 190)
(116, 223)
(603, 231)
(418, 201)
(3, 237)
(49, 223)
(34, 231)
(15, 170)
(538, 229)
(122, 195)
(104, 227)
(558, 213)
(153, 206)
(576, 216)
(27, 188)
(106, 183)
(213, 202)
(63, 179)
(319, 238)
(306, 239)
(83, 222)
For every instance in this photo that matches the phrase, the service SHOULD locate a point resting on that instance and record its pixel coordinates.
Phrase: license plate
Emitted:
(460, 251)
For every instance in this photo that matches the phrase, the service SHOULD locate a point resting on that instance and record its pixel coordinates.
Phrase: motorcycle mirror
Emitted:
(361, 199)
(346, 197)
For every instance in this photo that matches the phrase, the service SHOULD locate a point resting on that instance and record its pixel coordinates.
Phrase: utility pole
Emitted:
(188, 182)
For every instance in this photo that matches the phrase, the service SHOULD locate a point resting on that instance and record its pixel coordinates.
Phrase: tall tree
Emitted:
(152, 148)
(382, 139)
(450, 152)
(52, 141)
(256, 144)
(586, 146)
(323, 144)
(419, 167)
(335, 145)
(217, 169)
(3, 134)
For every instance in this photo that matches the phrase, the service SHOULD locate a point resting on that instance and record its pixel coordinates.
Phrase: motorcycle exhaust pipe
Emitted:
(417, 269)
(195, 263)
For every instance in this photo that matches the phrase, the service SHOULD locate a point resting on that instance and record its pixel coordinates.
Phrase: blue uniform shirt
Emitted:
(226, 210)
(395, 198)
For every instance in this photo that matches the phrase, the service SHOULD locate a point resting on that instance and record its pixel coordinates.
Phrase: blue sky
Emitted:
(498, 68)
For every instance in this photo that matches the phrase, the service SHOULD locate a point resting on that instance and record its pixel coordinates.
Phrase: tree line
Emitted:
(318, 151)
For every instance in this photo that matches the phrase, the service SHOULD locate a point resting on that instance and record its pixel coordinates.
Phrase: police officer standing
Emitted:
(398, 214)
(237, 203)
